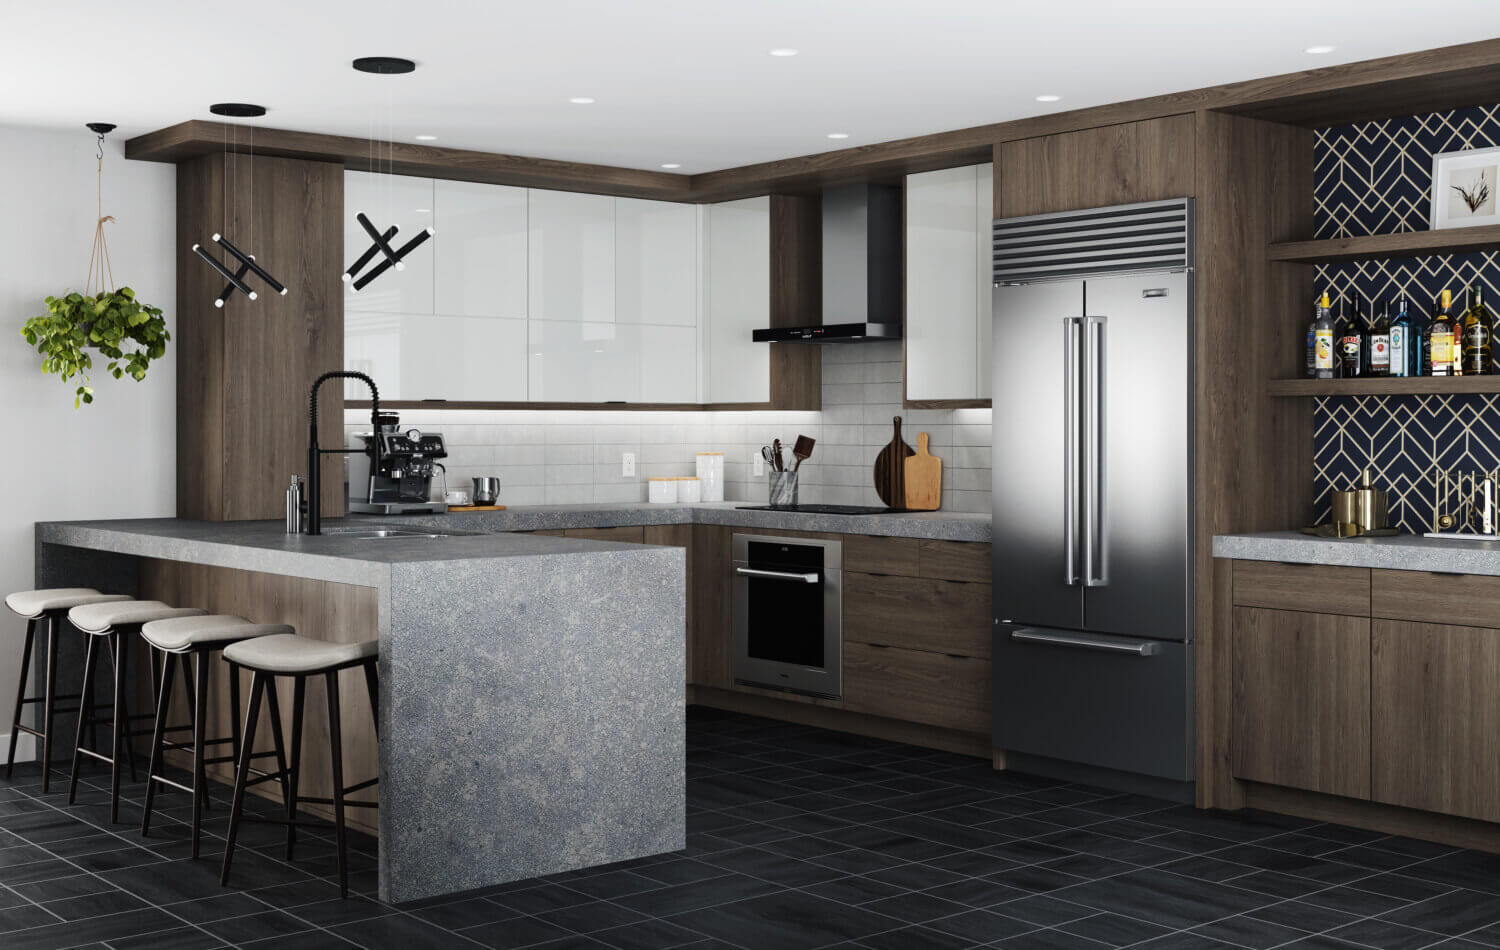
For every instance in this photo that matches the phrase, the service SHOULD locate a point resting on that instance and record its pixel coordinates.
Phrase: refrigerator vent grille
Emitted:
(1156, 235)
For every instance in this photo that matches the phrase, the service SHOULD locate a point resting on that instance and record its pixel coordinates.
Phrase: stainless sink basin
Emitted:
(383, 534)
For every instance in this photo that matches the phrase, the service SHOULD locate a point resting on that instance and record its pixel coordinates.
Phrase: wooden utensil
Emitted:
(924, 478)
(802, 451)
(890, 470)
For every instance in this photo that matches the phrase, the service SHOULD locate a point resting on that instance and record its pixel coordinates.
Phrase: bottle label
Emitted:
(1380, 350)
(1323, 349)
(1350, 347)
(1398, 351)
(1442, 352)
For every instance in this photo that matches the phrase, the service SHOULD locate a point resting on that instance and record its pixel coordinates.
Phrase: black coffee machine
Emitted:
(402, 480)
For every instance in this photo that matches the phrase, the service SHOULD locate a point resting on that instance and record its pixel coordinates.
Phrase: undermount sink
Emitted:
(357, 533)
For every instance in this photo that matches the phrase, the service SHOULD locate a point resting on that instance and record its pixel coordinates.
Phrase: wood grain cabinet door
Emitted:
(1302, 700)
(1115, 164)
(918, 614)
(952, 692)
(1436, 703)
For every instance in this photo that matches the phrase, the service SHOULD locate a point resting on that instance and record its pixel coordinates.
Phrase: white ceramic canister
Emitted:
(711, 475)
(689, 490)
(662, 491)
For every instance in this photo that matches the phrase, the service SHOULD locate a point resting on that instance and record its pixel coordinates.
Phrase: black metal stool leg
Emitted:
(200, 738)
(15, 721)
(85, 714)
(372, 683)
(158, 737)
(273, 705)
(242, 773)
(121, 725)
(299, 701)
(336, 755)
(234, 702)
(49, 707)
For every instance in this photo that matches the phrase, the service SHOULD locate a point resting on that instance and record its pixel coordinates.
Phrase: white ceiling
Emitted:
(686, 81)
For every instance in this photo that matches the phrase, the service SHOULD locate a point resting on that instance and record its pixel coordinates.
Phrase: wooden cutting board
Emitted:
(890, 470)
(476, 507)
(924, 478)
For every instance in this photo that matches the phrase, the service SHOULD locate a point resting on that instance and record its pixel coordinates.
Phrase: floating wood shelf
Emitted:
(1385, 386)
(1377, 246)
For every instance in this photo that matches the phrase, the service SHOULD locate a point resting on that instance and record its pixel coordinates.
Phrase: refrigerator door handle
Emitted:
(1072, 432)
(1095, 523)
(1086, 642)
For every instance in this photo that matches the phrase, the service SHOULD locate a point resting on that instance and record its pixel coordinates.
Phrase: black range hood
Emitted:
(861, 270)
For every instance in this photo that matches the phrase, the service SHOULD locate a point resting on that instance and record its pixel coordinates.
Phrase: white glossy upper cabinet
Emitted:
(571, 256)
(948, 284)
(656, 262)
(738, 300)
(389, 200)
(480, 250)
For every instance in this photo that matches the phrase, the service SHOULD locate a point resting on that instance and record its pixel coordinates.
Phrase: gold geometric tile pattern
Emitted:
(1374, 178)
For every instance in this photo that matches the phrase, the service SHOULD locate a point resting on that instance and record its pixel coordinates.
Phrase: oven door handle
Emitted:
(809, 578)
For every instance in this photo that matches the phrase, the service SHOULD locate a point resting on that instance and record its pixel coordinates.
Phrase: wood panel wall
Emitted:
(342, 613)
(244, 371)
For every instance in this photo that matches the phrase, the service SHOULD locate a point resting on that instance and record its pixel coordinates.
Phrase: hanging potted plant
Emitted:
(127, 332)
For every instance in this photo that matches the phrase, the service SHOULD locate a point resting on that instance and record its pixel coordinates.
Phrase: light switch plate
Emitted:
(627, 465)
(758, 464)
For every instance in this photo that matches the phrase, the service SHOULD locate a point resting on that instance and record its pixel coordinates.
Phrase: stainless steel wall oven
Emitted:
(787, 614)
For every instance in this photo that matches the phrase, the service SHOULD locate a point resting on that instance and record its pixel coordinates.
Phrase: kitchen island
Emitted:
(531, 688)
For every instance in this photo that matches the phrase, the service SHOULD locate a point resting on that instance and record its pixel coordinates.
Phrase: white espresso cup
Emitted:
(458, 498)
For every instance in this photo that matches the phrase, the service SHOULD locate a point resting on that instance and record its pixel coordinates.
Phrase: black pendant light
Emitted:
(247, 266)
(380, 243)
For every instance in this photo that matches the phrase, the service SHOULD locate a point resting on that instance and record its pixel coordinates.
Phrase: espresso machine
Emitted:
(394, 474)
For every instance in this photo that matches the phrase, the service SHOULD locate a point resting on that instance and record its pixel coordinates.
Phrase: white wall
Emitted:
(115, 458)
(573, 457)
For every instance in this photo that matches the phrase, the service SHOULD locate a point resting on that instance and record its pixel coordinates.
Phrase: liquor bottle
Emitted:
(1323, 335)
(1351, 344)
(1440, 337)
(1479, 334)
(1312, 343)
(1380, 344)
(1406, 343)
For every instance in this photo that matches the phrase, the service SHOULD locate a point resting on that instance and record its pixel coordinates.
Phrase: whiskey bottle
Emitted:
(1379, 344)
(1477, 334)
(1323, 336)
(1440, 337)
(1351, 344)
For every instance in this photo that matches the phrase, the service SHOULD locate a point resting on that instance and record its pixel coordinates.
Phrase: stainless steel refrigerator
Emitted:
(1093, 596)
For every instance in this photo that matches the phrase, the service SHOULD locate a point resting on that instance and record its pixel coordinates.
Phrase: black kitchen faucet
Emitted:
(314, 453)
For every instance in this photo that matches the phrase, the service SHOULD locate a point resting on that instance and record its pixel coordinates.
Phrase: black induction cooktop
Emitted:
(826, 509)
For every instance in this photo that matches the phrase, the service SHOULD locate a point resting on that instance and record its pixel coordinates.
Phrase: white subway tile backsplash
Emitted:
(573, 457)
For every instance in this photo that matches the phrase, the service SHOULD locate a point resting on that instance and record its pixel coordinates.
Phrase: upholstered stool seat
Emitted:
(107, 625)
(100, 618)
(190, 641)
(291, 655)
(300, 658)
(45, 606)
(182, 634)
(32, 604)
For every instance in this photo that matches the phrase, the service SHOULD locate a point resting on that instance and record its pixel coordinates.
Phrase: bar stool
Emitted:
(110, 622)
(196, 639)
(300, 658)
(49, 606)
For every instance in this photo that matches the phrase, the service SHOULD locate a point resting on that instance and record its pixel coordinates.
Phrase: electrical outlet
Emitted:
(758, 464)
(627, 465)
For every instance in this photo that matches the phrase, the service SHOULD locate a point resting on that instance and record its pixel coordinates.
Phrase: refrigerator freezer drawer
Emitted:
(1115, 702)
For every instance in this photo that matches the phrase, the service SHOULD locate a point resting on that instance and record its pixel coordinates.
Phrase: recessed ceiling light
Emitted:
(1319, 50)
(1048, 98)
(784, 51)
(426, 138)
(671, 165)
(838, 135)
(581, 100)
(424, 211)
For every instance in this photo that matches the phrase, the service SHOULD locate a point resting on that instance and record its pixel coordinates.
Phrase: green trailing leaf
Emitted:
(130, 334)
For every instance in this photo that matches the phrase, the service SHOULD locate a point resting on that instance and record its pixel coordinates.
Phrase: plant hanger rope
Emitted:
(99, 254)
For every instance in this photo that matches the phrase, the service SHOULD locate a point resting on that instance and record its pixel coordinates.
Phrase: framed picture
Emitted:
(1464, 188)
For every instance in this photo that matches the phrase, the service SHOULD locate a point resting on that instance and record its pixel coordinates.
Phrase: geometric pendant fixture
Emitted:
(381, 244)
(237, 278)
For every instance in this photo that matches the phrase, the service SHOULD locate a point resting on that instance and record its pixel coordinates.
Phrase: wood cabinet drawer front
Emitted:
(918, 614)
(871, 555)
(1312, 587)
(1470, 600)
(633, 534)
(954, 560)
(1436, 707)
(933, 688)
(1302, 700)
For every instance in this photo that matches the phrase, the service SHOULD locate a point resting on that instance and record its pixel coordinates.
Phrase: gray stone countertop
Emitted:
(1402, 552)
(940, 525)
(336, 555)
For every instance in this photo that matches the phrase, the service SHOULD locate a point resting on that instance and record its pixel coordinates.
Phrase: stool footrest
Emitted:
(43, 699)
(347, 803)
